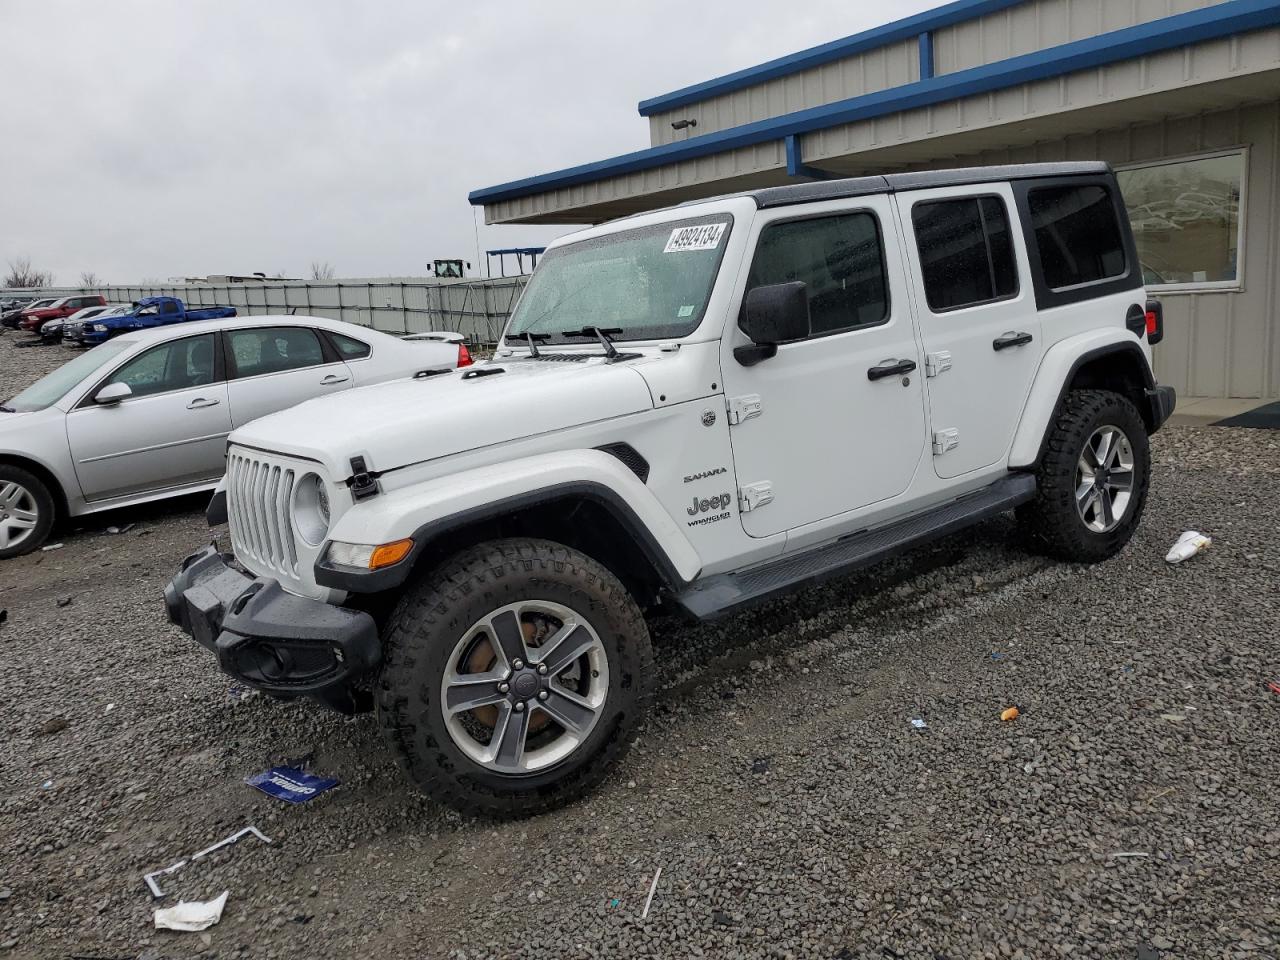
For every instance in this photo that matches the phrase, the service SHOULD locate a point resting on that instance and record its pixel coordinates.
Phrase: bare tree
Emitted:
(89, 279)
(21, 274)
(321, 270)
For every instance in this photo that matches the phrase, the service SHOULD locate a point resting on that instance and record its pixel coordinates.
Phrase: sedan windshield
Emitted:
(647, 283)
(48, 390)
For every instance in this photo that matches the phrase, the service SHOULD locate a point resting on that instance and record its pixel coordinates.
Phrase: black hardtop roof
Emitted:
(919, 180)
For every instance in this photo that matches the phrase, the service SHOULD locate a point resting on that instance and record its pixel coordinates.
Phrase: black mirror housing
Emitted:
(773, 314)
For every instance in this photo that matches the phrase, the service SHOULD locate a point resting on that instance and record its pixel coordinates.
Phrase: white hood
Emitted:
(409, 421)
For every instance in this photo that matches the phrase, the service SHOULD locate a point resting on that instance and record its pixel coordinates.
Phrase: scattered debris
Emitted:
(4, 615)
(644, 915)
(193, 916)
(614, 902)
(997, 655)
(720, 918)
(760, 765)
(110, 707)
(51, 546)
(52, 726)
(1010, 713)
(125, 529)
(1163, 793)
(290, 784)
(1130, 854)
(64, 601)
(150, 878)
(1173, 717)
(1187, 546)
(47, 785)
(1272, 685)
(302, 919)
(919, 724)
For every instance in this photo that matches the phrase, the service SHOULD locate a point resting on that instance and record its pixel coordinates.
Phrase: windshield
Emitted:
(48, 390)
(648, 283)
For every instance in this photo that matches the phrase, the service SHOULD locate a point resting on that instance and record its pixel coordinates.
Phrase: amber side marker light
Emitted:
(389, 554)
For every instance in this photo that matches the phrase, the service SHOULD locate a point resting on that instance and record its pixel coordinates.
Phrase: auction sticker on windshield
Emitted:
(705, 236)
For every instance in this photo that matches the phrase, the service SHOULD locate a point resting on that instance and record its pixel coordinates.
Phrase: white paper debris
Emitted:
(191, 916)
(1187, 546)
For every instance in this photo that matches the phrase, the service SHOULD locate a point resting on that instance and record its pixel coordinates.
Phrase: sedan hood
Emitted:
(409, 421)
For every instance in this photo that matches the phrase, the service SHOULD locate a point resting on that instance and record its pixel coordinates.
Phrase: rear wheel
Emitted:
(1093, 479)
(26, 512)
(515, 678)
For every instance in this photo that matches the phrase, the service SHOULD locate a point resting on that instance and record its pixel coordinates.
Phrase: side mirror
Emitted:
(112, 393)
(771, 315)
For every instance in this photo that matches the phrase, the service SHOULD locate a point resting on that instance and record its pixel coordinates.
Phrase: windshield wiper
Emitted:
(600, 333)
(531, 338)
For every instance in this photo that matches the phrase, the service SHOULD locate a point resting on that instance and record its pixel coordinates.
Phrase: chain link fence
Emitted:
(477, 309)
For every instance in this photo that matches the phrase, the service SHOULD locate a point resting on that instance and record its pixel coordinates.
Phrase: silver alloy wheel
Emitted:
(19, 514)
(524, 686)
(1104, 479)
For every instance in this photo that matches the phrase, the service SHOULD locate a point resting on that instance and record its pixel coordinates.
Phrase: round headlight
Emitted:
(311, 509)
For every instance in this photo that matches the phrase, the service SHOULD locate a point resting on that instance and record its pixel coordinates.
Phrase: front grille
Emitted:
(258, 497)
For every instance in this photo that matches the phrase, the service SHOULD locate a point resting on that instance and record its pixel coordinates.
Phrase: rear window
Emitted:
(1077, 234)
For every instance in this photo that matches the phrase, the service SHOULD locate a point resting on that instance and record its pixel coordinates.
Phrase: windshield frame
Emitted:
(685, 328)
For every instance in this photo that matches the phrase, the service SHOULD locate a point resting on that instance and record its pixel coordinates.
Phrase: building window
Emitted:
(966, 256)
(841, 261)
(1186, 219)
(1077, 235)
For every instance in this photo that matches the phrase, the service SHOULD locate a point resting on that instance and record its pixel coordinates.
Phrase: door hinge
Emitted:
(744, 407)
(937, 362)
(944, 440)
(754, 495)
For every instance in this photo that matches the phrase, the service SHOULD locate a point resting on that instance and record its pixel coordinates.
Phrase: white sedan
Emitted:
(146, 415)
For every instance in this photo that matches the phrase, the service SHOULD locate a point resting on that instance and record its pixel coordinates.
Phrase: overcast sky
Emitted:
(149, 140)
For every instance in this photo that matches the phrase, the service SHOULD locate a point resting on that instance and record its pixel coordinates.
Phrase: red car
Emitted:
(33, 320)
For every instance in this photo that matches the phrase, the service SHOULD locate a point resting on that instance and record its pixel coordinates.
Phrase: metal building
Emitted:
(1182, 97)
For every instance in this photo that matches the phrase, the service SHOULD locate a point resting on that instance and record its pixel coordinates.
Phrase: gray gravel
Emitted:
(794, 810)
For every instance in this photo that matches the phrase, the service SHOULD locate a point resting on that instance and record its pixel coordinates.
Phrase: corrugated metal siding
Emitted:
(881, 69)
(1039, 24)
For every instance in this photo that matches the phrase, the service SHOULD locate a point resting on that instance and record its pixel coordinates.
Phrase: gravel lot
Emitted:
(1131, 811)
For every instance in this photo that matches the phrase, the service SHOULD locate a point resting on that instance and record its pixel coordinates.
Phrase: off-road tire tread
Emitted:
(426, 607)
(1049, 522)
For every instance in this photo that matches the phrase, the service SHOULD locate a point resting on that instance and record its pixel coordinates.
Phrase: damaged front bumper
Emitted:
(270, 639)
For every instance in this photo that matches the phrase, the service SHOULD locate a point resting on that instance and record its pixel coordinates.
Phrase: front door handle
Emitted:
(199, 403)
(891, 368)
(333, 378)
(1010, 339)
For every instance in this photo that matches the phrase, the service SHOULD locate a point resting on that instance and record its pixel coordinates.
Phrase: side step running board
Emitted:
(727, 593)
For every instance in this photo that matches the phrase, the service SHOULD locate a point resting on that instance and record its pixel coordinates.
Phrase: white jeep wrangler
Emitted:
(701, 407)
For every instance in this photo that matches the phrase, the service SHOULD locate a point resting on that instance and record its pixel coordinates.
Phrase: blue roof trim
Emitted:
(1209, 23)
(899, 30)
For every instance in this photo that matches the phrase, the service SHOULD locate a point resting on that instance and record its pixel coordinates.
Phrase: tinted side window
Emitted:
(273, 350)
(966, 254)
(841, 261)
(1077, 234)
(349, 347)
(168, 307)
(171, 366)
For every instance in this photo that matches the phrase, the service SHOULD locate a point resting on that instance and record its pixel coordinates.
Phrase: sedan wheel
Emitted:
(19, 515)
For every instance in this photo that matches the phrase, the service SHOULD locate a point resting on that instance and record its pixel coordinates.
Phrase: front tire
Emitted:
(26, 512)
(1093, 479)
(515, 678)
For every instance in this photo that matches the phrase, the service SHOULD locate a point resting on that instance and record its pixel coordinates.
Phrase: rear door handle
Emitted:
(199, 403)
(1011, 339)
(333, 378)
(891, 368)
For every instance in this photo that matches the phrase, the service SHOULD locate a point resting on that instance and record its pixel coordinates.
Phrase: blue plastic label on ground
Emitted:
(290, 785)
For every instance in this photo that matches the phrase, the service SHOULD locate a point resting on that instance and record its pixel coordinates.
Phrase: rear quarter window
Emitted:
(1077, 235)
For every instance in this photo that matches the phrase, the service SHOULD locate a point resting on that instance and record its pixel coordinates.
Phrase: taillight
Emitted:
(1155, 322)
(464, 356)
